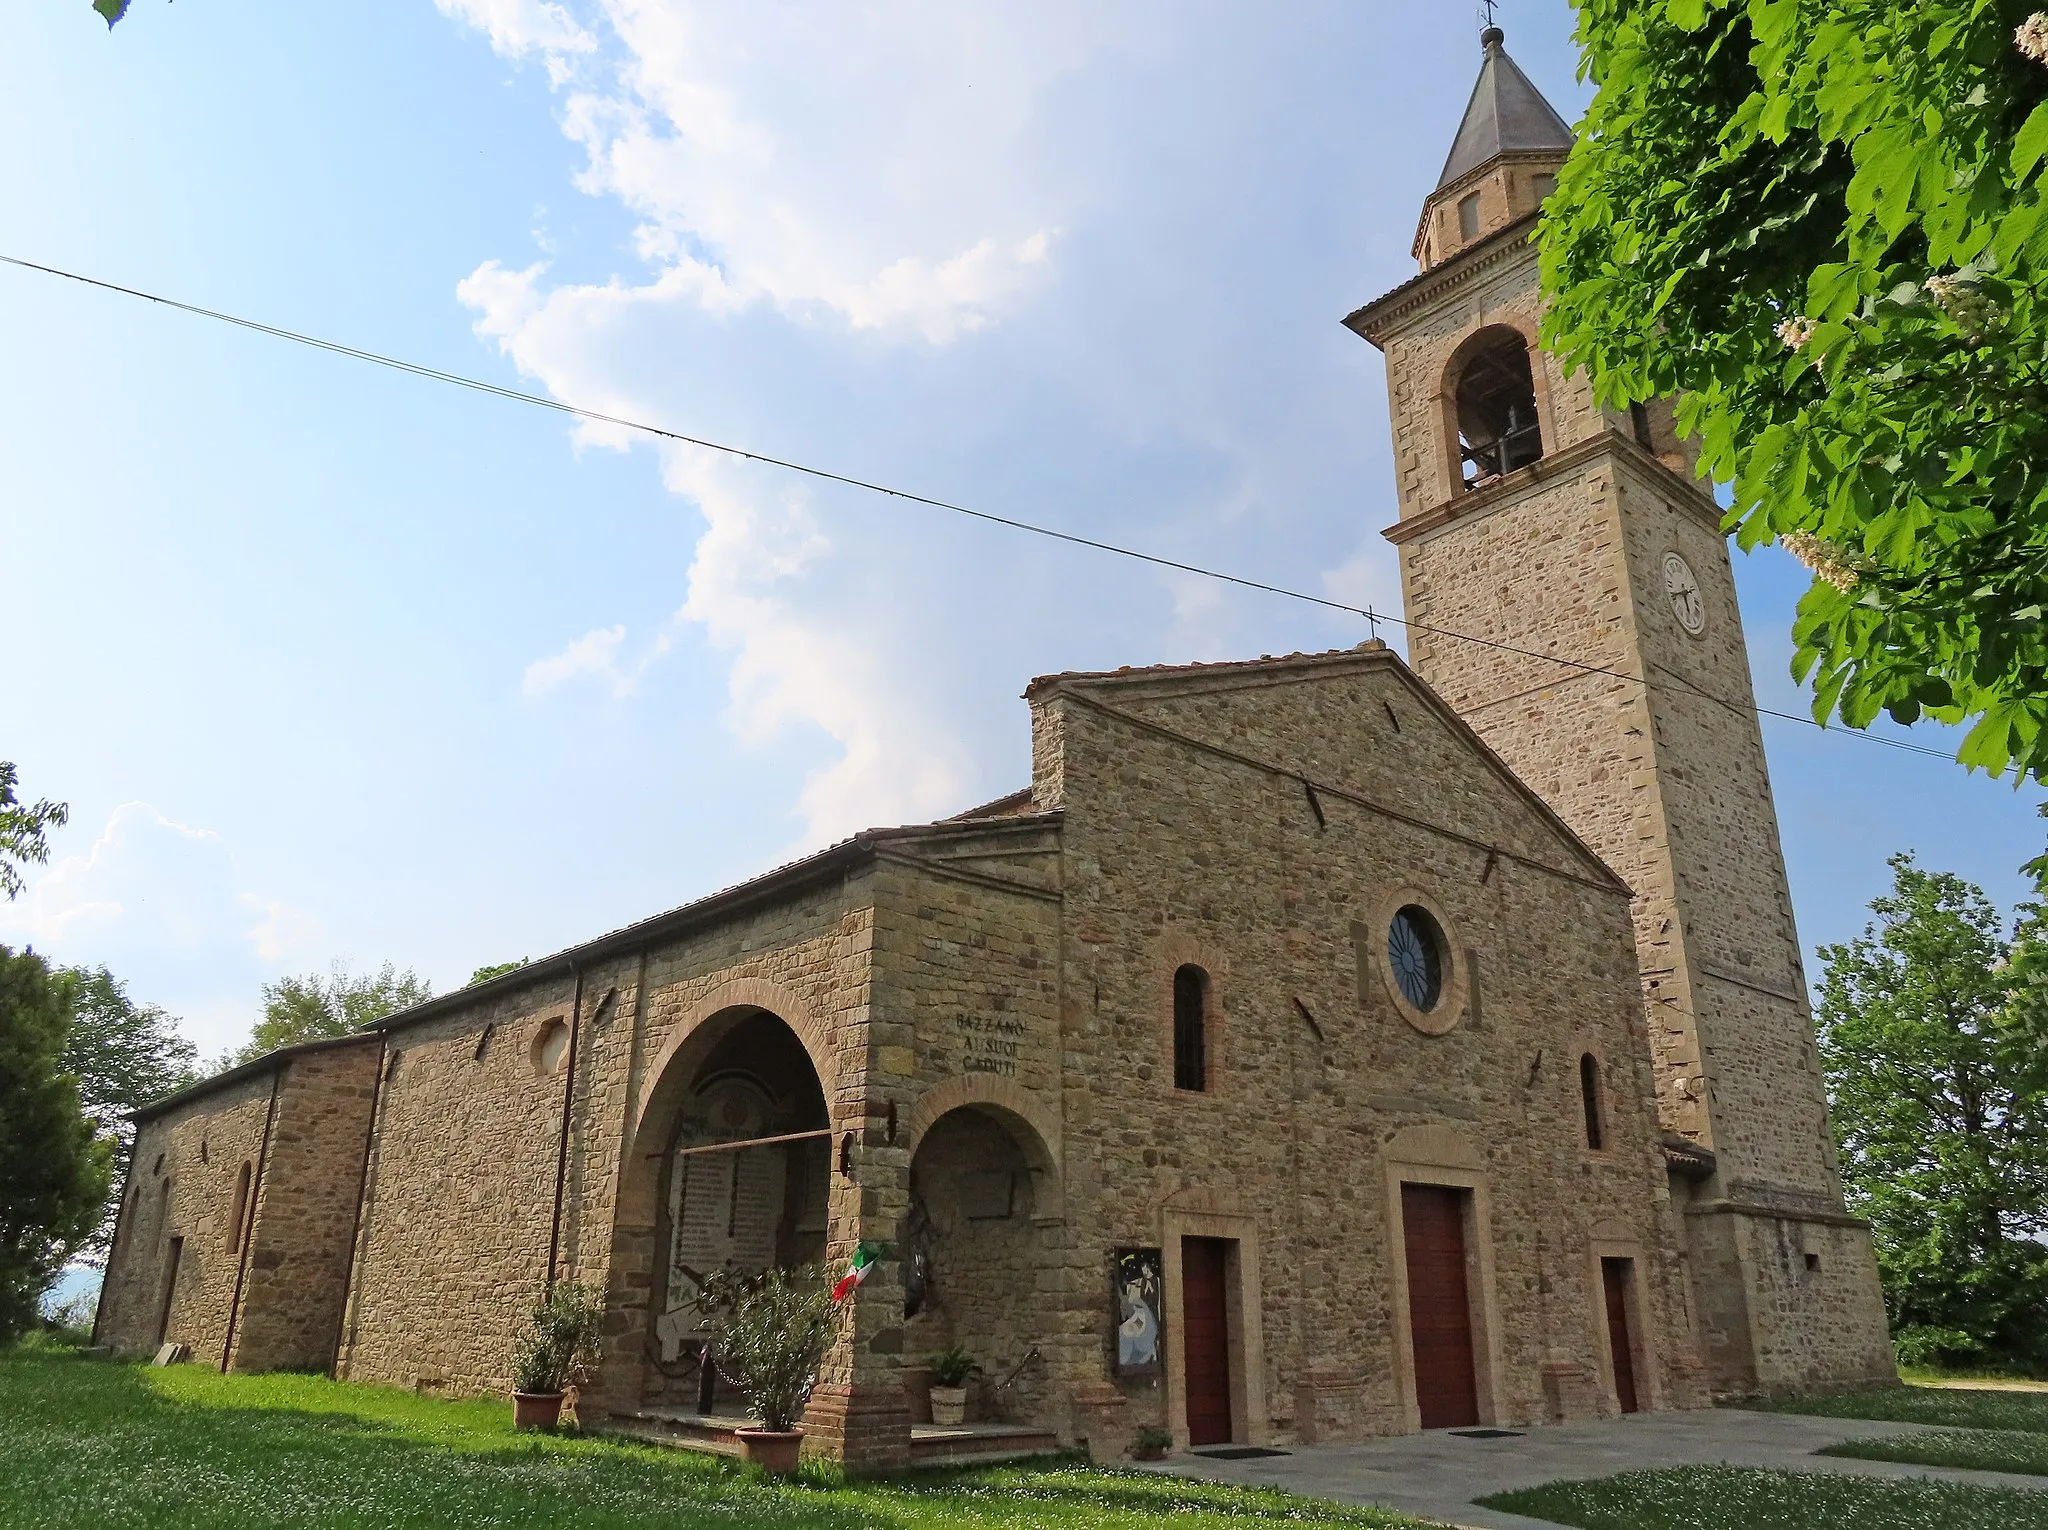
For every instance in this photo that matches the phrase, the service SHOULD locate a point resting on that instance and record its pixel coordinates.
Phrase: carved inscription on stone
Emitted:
(989, 1044)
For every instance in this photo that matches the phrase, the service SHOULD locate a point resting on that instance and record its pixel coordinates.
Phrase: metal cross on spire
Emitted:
(1486, 9)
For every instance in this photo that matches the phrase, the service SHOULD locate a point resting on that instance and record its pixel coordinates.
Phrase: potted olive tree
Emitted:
(560, 1344)
(950, 1368)
(769, 1342)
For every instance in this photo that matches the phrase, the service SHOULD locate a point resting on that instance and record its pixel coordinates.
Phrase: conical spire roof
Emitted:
(1506, 115)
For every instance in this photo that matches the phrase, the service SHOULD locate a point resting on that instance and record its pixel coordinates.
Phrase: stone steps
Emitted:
(977, 1444)
(930, 1444)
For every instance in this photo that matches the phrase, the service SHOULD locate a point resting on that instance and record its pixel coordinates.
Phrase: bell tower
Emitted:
(1570, 594)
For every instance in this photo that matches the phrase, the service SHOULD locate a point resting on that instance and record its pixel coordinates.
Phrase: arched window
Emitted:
(1496, 403)
(1589, 1097)
(238, 1228)
(1190, 1028)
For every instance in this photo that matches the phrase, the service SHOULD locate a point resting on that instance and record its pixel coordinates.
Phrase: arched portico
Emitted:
(980, 1243)
(728, 1166)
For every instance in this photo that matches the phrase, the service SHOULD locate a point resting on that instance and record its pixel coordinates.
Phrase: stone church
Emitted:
(1318, 1047)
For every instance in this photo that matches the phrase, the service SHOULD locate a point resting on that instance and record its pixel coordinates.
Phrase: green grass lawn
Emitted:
(1740, 1498)
(94, 1444)
(1948, 1406)
(1982, 1450)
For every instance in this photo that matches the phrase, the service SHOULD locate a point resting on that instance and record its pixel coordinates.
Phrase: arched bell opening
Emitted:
(973, 1246)
(1492, 394)
(734, 1149)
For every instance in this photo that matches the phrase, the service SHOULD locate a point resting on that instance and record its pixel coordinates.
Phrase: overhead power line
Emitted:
(1373, 617)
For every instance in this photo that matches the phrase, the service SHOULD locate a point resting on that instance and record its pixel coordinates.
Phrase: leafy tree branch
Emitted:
(1822, 222)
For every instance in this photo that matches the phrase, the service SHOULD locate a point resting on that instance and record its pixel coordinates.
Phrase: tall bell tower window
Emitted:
(1496, 403)
(1468, 216)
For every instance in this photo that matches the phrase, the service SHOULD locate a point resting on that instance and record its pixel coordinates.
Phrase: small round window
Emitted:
(550, 1046)
(1415, 949)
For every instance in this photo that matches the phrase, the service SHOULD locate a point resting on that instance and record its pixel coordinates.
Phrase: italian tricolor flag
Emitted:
(864, 1258)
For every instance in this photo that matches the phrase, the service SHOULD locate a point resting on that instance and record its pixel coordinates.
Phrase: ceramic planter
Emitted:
(773, 1450)
(536, 1410)
(949, 1405)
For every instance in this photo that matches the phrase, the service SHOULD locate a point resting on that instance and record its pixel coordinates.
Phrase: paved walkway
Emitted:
(1437, 1475)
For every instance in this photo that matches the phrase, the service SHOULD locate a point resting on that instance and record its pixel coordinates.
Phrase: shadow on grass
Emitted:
(1140, 1495)
(1744, 1498)
(104, 1445)
(1949, 1407)
(1981, 1450)
(108, 1446)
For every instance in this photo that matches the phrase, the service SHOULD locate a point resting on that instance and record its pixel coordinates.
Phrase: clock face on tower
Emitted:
(1684, 591)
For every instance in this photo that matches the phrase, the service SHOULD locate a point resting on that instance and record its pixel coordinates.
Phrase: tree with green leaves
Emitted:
(498, 969)
(53, 1171)
(312, 1007)
(123, 1055)
(1941, 1113)
(23, 831)
(1822, 223)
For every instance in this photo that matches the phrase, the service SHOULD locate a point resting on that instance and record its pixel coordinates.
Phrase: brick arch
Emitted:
(788, 1006)
(1020, 1112)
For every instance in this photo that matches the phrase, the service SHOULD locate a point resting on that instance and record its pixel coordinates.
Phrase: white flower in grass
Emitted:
(2032, 37)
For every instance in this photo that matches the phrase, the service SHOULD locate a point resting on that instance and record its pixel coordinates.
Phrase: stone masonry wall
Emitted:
(187, 1164)
(459, 1196)
(460, 1209)
(967, 1049)
(304, 1231)
(1175, 852)
(1667, 782)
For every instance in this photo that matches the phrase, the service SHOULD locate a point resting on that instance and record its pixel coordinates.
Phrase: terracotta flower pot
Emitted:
(949, 1405)
(773, 1450)
(536, 1410)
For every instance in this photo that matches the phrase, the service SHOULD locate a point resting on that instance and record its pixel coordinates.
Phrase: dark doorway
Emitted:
(1205, 1338)
(163, 1317)
(1439, 1309)
(1615, 1275)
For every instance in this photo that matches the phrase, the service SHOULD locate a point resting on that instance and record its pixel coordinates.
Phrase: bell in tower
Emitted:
(1569, 591)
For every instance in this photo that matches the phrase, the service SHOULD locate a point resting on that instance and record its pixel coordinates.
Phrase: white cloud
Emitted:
(519, 27)
(596, 655)
(852, 221)
(857, 161)
(162, 904)
(799, 662)
(283, 932)
(862, 167)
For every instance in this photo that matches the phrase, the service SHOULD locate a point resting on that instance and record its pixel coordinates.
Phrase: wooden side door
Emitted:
(1205, 1338)
(1439, 1306)
(1614, 1281)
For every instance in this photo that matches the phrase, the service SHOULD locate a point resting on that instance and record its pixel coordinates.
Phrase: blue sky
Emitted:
(332, 663)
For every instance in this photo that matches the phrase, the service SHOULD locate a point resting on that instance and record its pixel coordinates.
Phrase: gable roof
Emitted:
(1506, 115)
(1371, 654)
